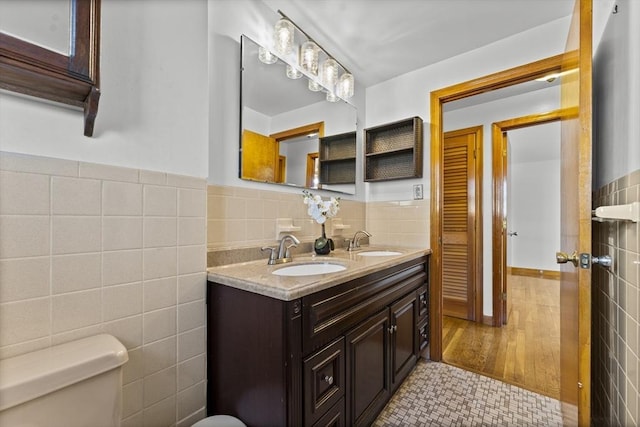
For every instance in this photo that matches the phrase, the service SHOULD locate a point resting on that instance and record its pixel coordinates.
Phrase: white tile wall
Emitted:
(88, 249)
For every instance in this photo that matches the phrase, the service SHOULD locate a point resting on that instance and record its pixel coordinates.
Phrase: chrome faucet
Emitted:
(354, 244)
(282, 254)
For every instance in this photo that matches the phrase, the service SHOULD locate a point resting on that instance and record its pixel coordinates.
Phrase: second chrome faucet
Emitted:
(354, 244)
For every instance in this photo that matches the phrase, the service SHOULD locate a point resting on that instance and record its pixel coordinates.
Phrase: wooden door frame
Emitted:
(311, 168)
(499, 152)
(476, 256)
(299, 131)
(477, 86)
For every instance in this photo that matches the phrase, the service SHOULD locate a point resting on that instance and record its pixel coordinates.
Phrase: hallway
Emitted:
(526, 351)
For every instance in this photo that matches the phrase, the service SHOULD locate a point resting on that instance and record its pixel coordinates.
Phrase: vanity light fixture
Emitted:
(307, 60)
(309, 53)
(330, 73)
(314, 86)
(292, 73)
(283, 36)
(265, 55)
(344, 88)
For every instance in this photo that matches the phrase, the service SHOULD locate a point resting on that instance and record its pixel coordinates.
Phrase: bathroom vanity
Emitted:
(315, 350)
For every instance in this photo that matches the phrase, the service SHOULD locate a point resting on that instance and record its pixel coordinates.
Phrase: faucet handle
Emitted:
(272, 254)
(287, 253)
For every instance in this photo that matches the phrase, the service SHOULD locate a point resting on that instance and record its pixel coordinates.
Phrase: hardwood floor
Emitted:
(524, 352)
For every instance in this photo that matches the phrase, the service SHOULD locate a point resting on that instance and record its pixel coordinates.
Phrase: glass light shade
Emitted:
(309, 57)
(292, 73)
(314, 86)
(332, 97)
(329, 73)
(283, 37)
(264, 55)
(345, 86)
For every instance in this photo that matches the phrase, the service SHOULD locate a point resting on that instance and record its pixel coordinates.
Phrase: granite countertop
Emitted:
(257, 277)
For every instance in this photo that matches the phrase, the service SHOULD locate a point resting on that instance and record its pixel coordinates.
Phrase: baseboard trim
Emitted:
(532, 272)
(487, 320)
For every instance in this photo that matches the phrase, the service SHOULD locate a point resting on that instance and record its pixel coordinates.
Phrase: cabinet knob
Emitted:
(392, 329)
(328, 379)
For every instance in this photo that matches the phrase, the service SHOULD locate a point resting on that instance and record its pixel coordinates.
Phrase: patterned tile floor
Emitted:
(437, 394)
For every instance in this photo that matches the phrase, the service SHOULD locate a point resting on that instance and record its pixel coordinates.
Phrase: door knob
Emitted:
(585, 260)
(563, 258)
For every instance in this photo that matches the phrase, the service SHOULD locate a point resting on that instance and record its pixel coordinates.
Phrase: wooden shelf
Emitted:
(393, 151)
(338, 159)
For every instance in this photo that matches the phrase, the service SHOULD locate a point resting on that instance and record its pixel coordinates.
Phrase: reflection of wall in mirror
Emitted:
(298, 149)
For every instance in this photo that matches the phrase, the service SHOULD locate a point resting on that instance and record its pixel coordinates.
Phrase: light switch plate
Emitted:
(417, 192)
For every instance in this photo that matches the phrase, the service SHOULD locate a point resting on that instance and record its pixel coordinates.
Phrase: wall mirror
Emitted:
(281, 124)
(52, 53)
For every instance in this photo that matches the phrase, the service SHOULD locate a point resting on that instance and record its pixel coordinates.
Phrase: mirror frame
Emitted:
(69, 79)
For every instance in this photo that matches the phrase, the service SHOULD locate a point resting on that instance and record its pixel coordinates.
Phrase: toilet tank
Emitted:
(76, 384)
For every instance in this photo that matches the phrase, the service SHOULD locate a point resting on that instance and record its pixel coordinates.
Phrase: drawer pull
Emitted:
(423, 300)
(328, 379)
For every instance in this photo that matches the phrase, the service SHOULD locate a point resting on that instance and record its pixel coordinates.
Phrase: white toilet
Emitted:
(220, 421)
(76, 384)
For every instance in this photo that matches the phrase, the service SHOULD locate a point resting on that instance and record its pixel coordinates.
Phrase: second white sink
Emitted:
(309, 269)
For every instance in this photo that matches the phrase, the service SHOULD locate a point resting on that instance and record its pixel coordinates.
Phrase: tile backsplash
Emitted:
(616, 311)
(240, 217)
(399, 223)
(88, 248)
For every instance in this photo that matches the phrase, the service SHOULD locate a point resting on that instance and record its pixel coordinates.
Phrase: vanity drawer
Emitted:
(334, 417)
(328, 314)
(423, 334)
(323, 381)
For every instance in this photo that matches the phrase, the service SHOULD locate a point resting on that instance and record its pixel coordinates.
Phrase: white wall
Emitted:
(535, 213)
(153, 112)
(617, 96)
(228, 20)
(408, 95)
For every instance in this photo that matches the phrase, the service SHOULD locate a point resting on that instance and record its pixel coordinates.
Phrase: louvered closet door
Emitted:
(458, 231)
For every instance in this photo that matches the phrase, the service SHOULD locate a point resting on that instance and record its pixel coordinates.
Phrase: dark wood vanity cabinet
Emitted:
(332, 358)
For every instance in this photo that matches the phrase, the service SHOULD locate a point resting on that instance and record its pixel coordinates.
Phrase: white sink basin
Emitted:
(309, 269)
(379, 253)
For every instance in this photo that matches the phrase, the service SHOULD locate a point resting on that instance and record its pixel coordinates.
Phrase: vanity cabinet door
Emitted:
(367, 356)
(404, 314)
(323, 381)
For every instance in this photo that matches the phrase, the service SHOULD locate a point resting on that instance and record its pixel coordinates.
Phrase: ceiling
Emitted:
(381, 39)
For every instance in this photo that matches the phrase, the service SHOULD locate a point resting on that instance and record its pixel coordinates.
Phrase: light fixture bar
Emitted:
(311, 39)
